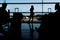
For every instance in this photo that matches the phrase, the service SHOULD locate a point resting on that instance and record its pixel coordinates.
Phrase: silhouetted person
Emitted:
(53, 22)
(56, 21)
(56, 6)
(31, 16)
(4, 17)
(15, 29)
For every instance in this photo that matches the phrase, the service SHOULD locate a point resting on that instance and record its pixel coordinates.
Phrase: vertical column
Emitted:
(4, 1)
(42, 7)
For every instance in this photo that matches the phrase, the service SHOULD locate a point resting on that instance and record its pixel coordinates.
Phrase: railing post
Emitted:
(16, 9)
(49, 9)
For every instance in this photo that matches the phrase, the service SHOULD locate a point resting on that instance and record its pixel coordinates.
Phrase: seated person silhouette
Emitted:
(15, 29)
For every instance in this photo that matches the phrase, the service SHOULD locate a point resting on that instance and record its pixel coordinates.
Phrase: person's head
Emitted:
(32, 6)
(4, 5)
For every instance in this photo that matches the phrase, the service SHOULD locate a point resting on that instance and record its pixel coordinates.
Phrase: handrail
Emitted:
(34, 12)
(35, 3)
(30, 22)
